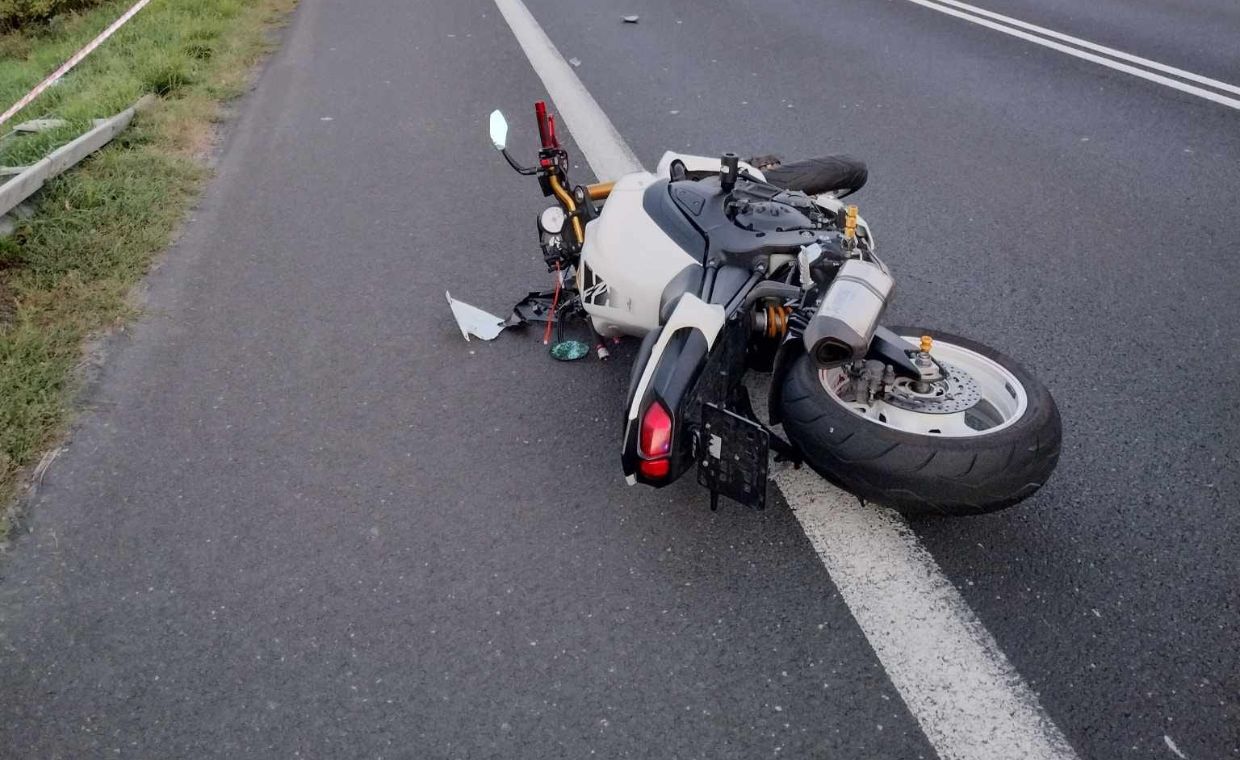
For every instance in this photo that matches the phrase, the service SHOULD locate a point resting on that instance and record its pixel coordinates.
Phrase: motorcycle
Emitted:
(722, 267)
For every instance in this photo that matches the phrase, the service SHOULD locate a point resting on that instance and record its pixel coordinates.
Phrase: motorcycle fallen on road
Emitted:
(722, 267)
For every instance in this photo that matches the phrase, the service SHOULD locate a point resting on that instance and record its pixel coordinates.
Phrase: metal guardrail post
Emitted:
(28, 181)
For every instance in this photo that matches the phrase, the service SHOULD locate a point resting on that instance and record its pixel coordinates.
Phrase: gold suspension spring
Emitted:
(777, 320)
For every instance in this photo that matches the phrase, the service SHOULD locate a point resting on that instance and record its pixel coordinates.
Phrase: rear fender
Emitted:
(672, 366)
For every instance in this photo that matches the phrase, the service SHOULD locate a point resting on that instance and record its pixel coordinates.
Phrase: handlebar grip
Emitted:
(546, 126)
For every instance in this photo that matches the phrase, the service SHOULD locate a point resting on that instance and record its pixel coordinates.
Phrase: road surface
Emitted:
(300, 517)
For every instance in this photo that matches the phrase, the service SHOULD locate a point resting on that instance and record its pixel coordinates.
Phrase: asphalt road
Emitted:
(302, 517)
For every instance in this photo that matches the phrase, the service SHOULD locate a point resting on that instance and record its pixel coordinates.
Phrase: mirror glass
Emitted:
(499, 130)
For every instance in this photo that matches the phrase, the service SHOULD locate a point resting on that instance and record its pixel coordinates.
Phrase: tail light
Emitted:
(655, 442)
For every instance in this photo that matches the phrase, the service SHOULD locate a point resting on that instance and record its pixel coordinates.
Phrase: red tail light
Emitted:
(654, 468)
(655, 442)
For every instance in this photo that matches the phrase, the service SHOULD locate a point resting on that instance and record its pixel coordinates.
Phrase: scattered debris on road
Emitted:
(474, 321)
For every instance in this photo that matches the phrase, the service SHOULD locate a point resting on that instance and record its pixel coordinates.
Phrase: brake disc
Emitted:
(956, 392)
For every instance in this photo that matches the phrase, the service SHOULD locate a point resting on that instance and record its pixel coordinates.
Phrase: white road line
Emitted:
(1146, 62)
(969, 701)
(607, 153)
(967, 698)
(1110, 64)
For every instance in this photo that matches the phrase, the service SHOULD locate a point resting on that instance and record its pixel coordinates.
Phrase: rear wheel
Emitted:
(984, 438)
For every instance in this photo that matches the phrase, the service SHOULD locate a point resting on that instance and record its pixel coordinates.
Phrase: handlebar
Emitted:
(600, 190)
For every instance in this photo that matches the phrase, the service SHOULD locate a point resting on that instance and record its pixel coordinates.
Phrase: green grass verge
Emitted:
(16, 13)
(67, 271)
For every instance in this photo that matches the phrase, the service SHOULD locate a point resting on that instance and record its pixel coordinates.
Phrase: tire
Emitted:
(924, 474)
(842, 174)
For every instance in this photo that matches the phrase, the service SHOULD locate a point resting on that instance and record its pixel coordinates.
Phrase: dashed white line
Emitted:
(1098, 59)
(958, 685)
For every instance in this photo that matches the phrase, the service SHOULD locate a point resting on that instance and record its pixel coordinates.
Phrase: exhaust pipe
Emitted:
(841, 329)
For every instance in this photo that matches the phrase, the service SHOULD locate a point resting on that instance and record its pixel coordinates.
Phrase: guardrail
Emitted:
(28, 179)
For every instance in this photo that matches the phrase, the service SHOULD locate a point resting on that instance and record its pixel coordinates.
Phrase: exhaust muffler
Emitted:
(841, 329)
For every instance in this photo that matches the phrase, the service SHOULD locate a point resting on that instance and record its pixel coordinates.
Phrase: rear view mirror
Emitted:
(499, 130)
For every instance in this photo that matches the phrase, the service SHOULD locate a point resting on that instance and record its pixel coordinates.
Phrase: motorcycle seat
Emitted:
(840, 174)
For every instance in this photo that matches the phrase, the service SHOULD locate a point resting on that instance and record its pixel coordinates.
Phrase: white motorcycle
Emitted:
(723, 266)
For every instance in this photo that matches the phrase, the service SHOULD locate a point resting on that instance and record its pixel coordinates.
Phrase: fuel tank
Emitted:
(628, 261)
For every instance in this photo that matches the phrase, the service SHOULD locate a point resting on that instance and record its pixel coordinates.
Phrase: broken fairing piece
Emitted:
(474, 321)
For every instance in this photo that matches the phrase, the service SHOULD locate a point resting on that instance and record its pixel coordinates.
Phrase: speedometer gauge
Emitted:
(551, 221)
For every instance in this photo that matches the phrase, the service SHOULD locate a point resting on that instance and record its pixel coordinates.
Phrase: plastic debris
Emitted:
(630, 19)
(474, 321)
(575, 61)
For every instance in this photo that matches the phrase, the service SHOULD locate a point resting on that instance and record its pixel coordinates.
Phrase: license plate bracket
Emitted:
(733, 456)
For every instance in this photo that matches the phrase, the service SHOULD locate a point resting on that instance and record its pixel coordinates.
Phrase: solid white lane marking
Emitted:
(607, 153)
(958, 685)
(1112, 52)
(969, 701)
(1110, 64)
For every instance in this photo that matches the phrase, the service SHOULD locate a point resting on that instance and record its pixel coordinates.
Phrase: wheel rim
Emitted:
(1001, 397)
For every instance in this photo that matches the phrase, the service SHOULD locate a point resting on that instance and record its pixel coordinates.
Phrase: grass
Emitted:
(67, 271)
(18, 13)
